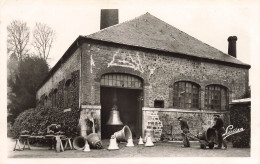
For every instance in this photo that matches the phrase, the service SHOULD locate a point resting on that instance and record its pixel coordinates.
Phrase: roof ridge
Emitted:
(147, 13)
(158, 34)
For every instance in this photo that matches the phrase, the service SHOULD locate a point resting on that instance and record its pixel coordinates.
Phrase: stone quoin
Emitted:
(156, 72)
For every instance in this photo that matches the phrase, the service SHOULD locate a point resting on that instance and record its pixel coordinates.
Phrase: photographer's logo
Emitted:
(230, 131)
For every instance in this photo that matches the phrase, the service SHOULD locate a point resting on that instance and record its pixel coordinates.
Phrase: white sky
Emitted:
(210, 21)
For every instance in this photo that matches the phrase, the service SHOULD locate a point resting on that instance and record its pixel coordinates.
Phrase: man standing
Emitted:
(185, 131)
(219, 127)
(51, 130)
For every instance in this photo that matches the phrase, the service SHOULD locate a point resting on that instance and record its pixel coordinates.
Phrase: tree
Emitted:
(23, 85)
(43, 37)
(18, 35)
(12, 67)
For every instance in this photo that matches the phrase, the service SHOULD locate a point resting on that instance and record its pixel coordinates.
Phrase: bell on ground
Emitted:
(113, 144)
(149, 142)
(86, 147)
(94, 141)
(140, 141)
(114, 118)
(149, 132)
(79, 143)
(124, 134)
(130, 142)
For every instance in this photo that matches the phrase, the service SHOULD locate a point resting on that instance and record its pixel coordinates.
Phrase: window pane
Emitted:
(185, 95)
(102, 81)
(215, 97)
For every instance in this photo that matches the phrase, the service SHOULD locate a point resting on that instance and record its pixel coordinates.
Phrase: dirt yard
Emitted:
(160, 149)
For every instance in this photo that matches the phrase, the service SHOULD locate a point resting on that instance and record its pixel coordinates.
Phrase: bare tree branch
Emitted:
(18, 38)
(43, 37)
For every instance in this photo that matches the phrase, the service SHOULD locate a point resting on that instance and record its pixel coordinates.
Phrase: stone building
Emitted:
(152, 71)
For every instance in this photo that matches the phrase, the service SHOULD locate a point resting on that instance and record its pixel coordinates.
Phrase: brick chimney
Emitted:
(109, 17)
(232, 48)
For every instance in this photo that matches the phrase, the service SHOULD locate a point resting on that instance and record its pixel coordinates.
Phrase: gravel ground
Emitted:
(160, 149)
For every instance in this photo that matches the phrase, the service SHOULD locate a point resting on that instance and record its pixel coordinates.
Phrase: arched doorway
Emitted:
(127, 89)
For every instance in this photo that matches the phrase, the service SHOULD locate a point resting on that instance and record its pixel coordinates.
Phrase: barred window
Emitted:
(121, 80)
(186, 95)
(67, 100)
(216, 97)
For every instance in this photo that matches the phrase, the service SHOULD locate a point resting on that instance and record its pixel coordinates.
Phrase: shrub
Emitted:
(240, 118)
(37, 119)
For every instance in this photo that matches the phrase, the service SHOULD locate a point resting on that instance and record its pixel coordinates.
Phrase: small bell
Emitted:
(140, 141)
(86, 149)
(113, 144)
(130, 142)
(149, 142)
(149, 132)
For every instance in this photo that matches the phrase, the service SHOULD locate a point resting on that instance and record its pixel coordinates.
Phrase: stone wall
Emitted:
(197, 121)
(151, 120)
(166, 126)
(73, 94)
(159, 72)
(63, 73)
(90, 113)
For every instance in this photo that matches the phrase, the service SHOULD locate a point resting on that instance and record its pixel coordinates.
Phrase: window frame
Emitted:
(55, 98)
(191, 91)
(215, 93)
(66, 93)
(121, 80)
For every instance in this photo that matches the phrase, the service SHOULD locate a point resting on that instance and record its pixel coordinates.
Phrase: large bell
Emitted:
(114, 118)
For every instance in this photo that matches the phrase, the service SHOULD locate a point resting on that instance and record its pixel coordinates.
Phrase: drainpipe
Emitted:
(82, 121)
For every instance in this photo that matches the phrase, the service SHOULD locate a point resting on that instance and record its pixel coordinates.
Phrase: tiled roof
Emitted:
(150, 32)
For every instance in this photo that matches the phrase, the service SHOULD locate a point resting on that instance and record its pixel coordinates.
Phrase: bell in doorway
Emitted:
(114, 118)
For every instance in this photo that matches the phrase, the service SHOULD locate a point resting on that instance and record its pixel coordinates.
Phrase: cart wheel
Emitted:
(202, 146)
(211, 145)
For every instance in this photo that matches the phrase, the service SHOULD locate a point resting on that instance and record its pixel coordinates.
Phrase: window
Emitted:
(186, 95)
(54, 98)
(121, 80)
(67, 99)
(45, 101)
(216, 97)
(50, 99)
(158, 103)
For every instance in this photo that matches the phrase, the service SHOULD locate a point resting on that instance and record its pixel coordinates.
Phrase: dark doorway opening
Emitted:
(129, 108)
